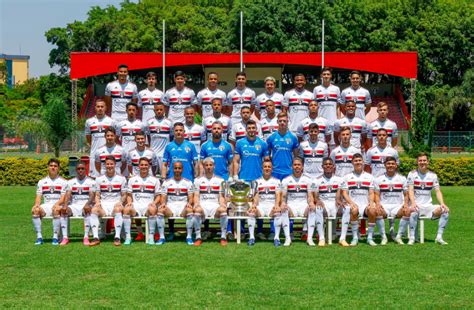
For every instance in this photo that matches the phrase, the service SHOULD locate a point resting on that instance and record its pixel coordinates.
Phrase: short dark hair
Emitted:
(313, 125)
(245, 107)
(212, 72)
(357, 155)
(144, 159)
(299, 74)
(355, 72)
(297, 158)
(178, 124)
(110, 129)
(241, 73)
(251, 122)
(326, 69)
(140, 133)
(81, 162)
(122, 66)
(421, 154)
(151, 74)
(381, 129)
(110, 157)
(179, 73)
(216, 98)
(390, 158)
(346, 128)
(325, 159)
(131, 103)
(54, 160)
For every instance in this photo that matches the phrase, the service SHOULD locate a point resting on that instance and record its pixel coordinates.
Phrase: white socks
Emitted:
(251, 223)
(197, 225)
(346, 216)
(118, 222)
(355, 230)
(94, 223)
(37, 226)
(64, 225)
(87, 226)
(370, 231)
(402, 226)
(320, 223)
(151, 226)
(127, 226)
(189, 225)
(56, 227)
(285, 223)
(160, 222)
(413, 224)
(443, 221)
(223, 221)
(311, 223)
(381, 226)
(277, 224)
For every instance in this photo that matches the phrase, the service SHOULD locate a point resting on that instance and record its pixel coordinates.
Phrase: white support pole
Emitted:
(164, 58)
(241, 41)
(322, 44)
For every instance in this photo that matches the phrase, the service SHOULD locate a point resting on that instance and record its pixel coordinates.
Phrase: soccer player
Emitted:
(95, 131)
(327, 95)
(421, 183)
(313, 151)
(328, 190)
(268, 94)
(358, 192)
(218, 116)
(110, 198)
(142, 200)
(266, 202)
(205, 97)
(177, 200)
(194, 133)
(250, 151)
(133, 158)
(149, 97)
(325, 127)
(240, 96)
(296, 196)
(239, 129)
(52, 190)
(391, 199)
(342, 154)
(110, 148)
(376, 155)
(158, 131)
(358, 126)
(209, 200)
(80, 197)
(282, 145)
(357, 94)
(128, 128)
(180, 150)
(120, 92)
(296, 102)
(178, 98)
(220, 151)
(383, 122)
(269, 122)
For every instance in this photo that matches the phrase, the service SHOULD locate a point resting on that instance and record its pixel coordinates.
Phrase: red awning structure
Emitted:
(401, 64)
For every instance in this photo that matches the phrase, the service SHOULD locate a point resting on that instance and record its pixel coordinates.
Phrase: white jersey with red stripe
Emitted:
(121, 94)
(209, 190)
(81, 190)
(297, 103)
(51, 189)
(358, 186)
(178, 101)
(325, 128)
(111, 189)
(328, 99)
(147, 99)
(133, 160)
(375, 157)
(159, 131)
(261, 105)
(327, 188)
(268, 126)
(116, 151)
(177, 191)
(239, 131)
(240, 98)
(358, 127)
(195, 134)
(126, 131)
(143, 190)
(204, 100)
(360, 96)
(267, 190)
(313, 155)
(342, 158)
(423, 184)
(226, 125)
(297, 189)
(391, 189)
(390, 126)
(95, 127)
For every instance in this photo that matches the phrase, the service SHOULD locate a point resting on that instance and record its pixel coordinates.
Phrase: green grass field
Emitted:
(180, 276)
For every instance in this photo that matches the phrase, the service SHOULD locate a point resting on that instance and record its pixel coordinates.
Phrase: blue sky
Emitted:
(24, 22)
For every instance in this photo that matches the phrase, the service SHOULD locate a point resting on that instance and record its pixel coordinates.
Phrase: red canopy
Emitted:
(402, 64)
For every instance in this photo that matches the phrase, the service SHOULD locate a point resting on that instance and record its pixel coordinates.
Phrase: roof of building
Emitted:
(22, 57)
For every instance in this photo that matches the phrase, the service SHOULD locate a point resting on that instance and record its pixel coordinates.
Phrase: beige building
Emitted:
(17, 68)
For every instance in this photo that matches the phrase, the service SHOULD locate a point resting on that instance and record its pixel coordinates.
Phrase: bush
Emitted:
(27, 171)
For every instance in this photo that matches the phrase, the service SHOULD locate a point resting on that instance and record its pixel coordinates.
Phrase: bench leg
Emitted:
(422, 231)
(146, 230)
(329, 226)
(238, 232)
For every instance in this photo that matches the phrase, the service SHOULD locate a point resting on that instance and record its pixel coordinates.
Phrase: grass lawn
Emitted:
(180, 276)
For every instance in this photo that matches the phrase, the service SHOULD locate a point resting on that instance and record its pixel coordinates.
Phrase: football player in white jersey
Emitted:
(110, 148)
(240, 96)
(149, 97)
(269, 94)
(391, 199)
(177, 200)
(52, 190)
(325, 127)
(128, 128)
(194, 133)
(382, 122)
(421, 182)
(142, 200)
(297, 198)
(80, 196)
(342, 154)
(178, 98)
(358, 94)
(110, 198)
(120, 92)
(239, 129)
(376, 155)
(133, 159)
(269, 122)
(217, 115)
(327, 95)
(95, 131)
(209, 200)
(357, 125)
(205, 96)
(313, 151)
(358, 192)
(296, 102)
(158, 130)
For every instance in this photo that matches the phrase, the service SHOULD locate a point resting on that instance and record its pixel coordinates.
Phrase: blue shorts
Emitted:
(280, 176)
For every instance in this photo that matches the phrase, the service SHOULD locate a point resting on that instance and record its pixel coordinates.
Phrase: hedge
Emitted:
(26, 171)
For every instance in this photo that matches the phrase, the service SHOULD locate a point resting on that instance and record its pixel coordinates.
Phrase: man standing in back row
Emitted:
(120, 92)
(205, 96)
(296, 102)
(358, 94)
(178, 98)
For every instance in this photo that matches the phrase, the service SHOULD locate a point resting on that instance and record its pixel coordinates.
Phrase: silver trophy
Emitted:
(239, 194)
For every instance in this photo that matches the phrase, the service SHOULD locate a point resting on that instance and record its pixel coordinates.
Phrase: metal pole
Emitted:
(164, 57)
(74, 114)
(241, 41)
(322, 43)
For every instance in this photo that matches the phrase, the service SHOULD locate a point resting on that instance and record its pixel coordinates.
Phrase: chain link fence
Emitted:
(448, 141)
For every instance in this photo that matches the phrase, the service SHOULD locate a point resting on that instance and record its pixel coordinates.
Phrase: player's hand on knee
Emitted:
(444, 208)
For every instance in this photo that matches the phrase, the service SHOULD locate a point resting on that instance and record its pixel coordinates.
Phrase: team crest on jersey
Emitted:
(142, 188)
(109, 187)
(329, 188)
(209, 189)
(390, 187)
(288, 140)
(422, 185)
(241, 100)
(221, 148)
(266, 190)
(180, 100)
(51, 189)
(298, 187)
(257, 147)
(187, 149)
(79, 190)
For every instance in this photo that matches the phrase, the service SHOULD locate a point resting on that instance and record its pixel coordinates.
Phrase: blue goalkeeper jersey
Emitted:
(222, 154)
(281, 148)
(251, 155)
(185, 153)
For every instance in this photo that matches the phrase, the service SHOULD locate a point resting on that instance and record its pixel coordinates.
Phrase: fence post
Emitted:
(449, 141)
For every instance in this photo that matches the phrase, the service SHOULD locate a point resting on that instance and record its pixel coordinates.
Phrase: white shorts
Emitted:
(108, 207)
(298, 210)
(140, 208)
(265, 209)
(210, 209)
(361, 211)
(48, 209)
(176, 209)
(77, 209)
(331, 209)
(427, 210)
(392, 210)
